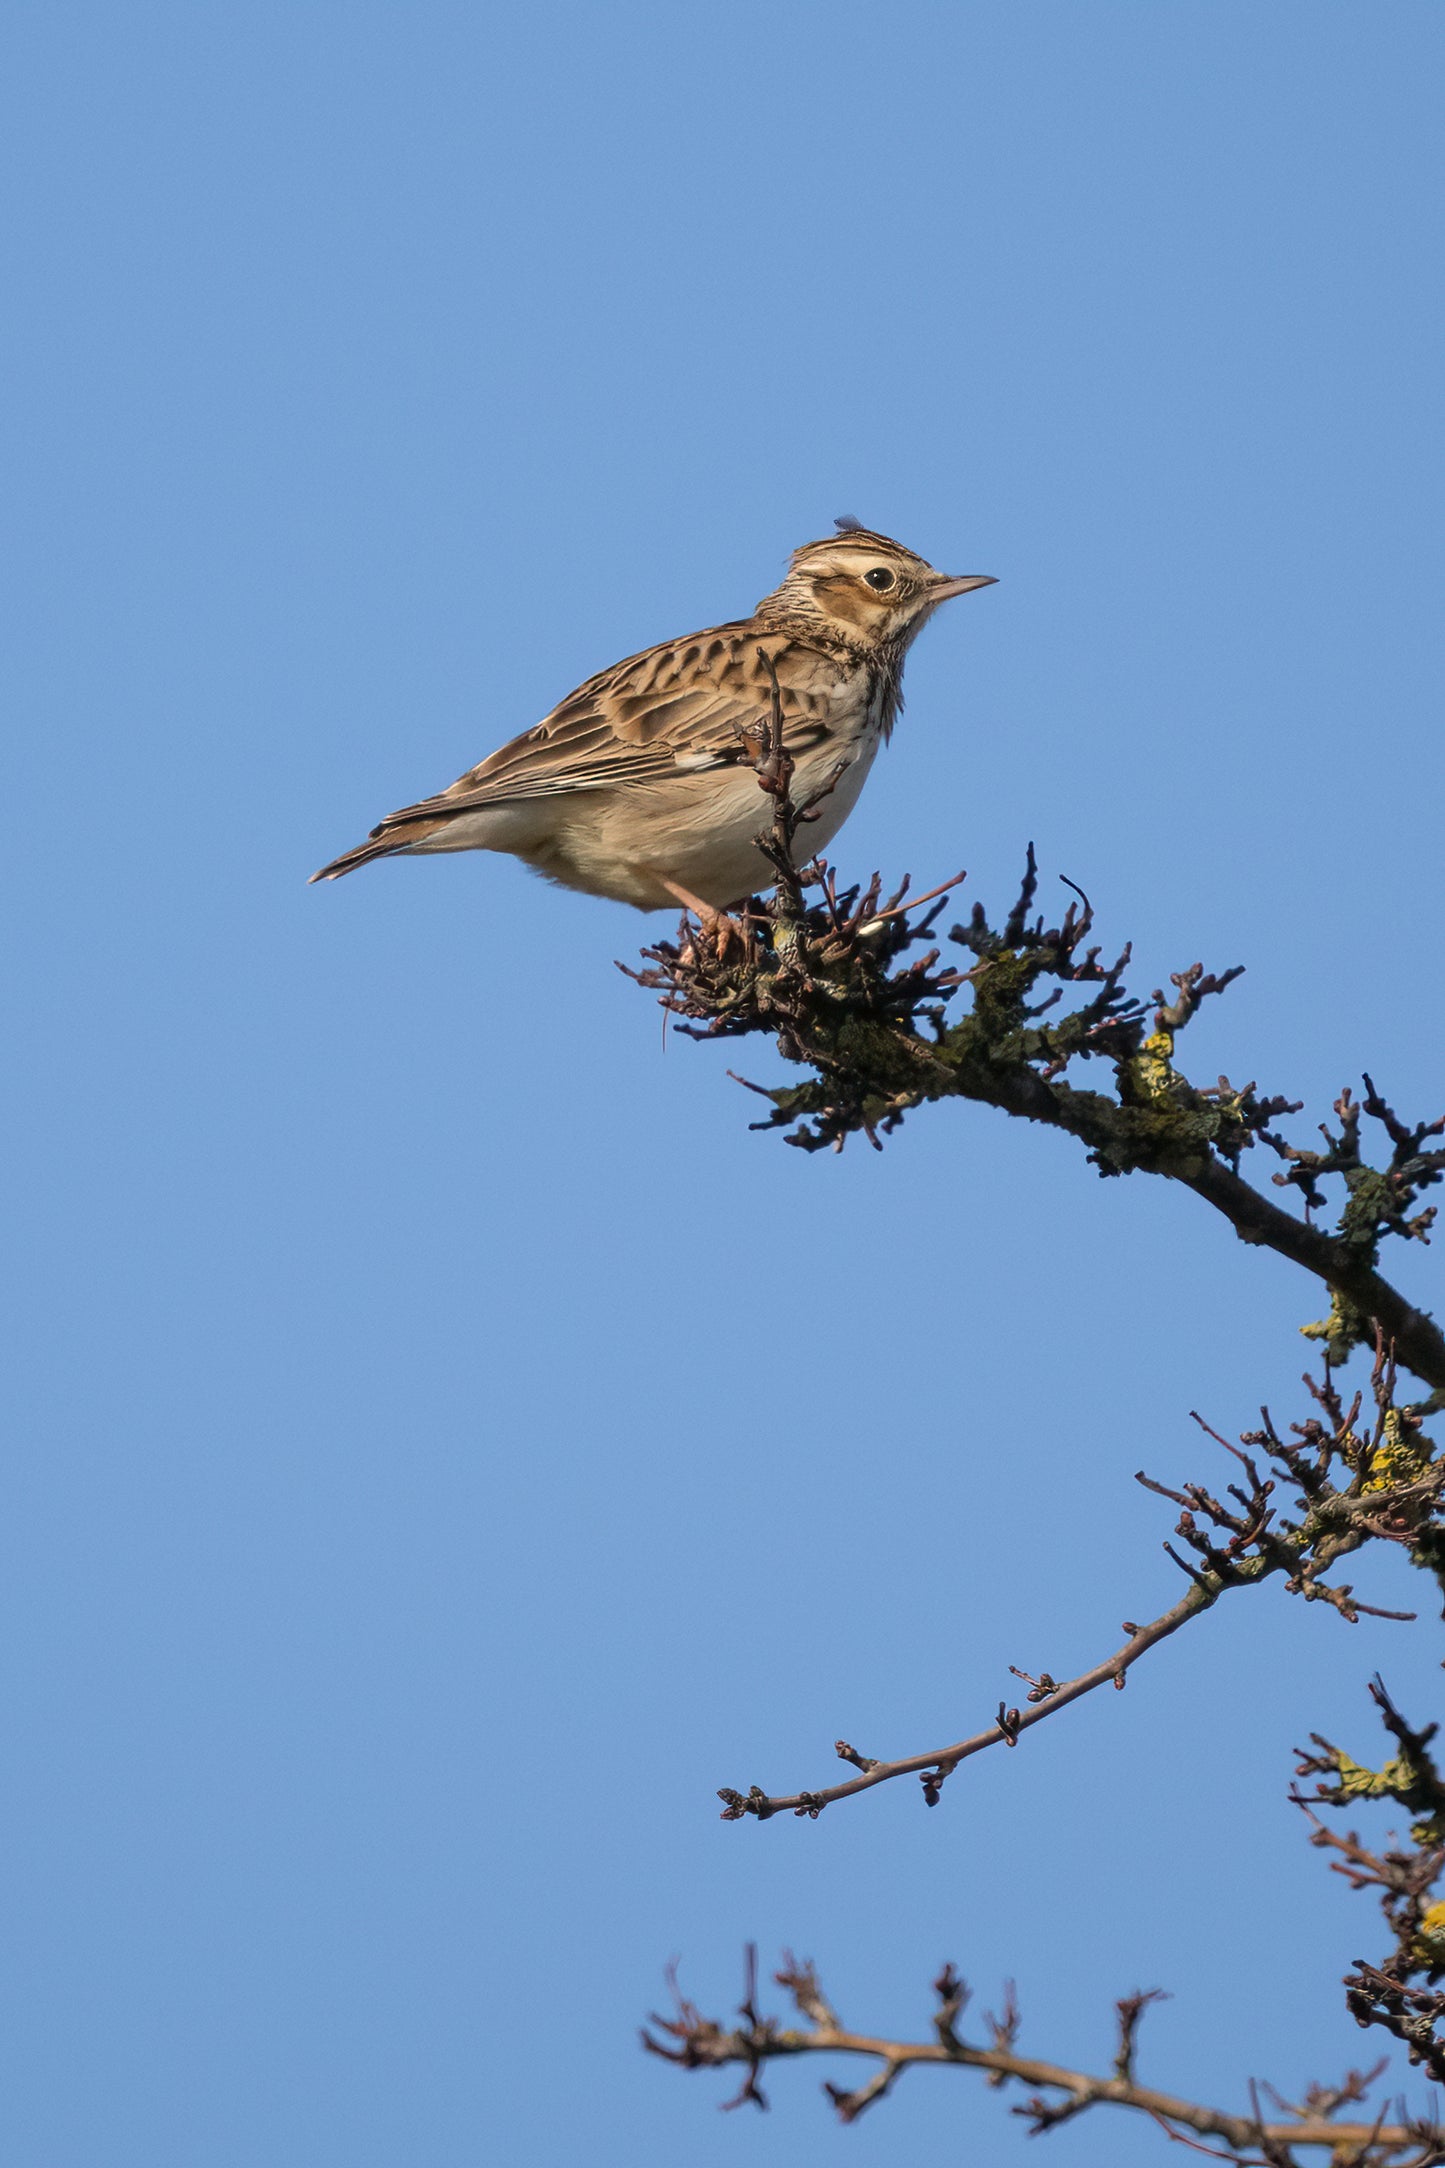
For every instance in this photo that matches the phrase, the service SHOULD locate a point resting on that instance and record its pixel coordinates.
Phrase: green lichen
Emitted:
(1412, 1784)
(1343, 1330)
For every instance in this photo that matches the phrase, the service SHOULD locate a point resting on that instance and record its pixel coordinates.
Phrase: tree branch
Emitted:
(702, 2044)
(827, 980)
(1352, 1485)
(940, 1764)
(1404, 1876)
(831, 981)
(1417, 1339)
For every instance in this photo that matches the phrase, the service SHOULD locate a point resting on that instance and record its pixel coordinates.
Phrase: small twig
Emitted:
(1248, 1543)
(933, 1767)
(700, 2044)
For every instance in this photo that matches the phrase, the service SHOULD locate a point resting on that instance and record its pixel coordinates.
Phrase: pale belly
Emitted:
(698, 830)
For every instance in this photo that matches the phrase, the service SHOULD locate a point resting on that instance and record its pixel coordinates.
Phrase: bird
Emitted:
(642, 784)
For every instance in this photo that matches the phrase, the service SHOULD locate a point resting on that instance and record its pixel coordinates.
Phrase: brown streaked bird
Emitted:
(641, 784)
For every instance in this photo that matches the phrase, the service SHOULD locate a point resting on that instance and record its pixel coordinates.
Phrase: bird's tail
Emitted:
(350, 860)
(393, 836)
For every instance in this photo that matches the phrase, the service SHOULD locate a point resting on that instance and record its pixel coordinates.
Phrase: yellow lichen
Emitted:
(1402, 1454)
(1429, 1946)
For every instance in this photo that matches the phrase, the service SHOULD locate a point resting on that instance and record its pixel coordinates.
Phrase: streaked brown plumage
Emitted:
(640, 785)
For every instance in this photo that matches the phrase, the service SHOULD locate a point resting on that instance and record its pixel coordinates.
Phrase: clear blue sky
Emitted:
(406, 1525)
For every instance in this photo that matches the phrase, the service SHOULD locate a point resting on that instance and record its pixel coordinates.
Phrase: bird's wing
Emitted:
(676, 709)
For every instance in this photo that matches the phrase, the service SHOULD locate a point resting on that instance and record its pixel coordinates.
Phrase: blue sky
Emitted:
(446, 1444)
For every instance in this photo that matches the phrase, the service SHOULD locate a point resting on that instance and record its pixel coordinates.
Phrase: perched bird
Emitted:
(641, 785)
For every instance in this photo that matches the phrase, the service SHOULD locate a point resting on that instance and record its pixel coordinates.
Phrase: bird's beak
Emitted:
(944, 586)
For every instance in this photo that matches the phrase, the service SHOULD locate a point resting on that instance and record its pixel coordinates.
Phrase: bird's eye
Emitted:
(880, 577)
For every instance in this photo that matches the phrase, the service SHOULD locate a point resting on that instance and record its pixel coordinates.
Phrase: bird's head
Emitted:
(864, 588)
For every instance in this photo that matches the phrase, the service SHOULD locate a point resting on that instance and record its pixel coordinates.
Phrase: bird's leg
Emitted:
(717, 926)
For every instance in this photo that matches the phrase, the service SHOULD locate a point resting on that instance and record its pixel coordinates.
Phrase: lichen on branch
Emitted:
(1038, 1026)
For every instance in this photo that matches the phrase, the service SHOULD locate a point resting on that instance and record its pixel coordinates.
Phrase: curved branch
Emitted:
(1379, 1483)
(1418, 1340)
(1086, 2090)
(828, 982)
(935, 1767)
(1120, 1140)
(702, 2044)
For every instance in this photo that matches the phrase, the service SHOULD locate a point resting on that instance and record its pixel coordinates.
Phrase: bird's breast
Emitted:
(854, 706)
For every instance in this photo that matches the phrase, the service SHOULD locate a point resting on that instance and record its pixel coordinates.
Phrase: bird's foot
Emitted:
(718, 928)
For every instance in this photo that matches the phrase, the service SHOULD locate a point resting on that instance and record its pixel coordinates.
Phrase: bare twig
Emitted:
(935, 1766)
(694, 2042)
(1404, 1878)
(1353, 1483)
